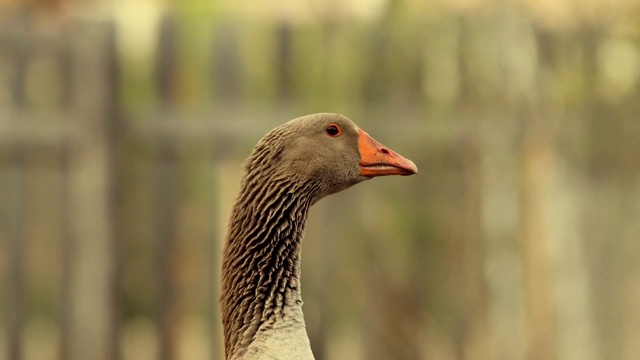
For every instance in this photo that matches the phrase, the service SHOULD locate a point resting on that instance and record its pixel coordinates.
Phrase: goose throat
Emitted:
(261, 267)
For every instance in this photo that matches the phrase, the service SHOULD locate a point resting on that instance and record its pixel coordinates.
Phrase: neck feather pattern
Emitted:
(261, 257)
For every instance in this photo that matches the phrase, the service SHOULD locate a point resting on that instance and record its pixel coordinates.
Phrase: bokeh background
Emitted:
(123, 125)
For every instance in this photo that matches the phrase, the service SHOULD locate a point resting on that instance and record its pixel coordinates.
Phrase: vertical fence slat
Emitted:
(167, 202)
(67, 255)
(14, 214)
(14, 211)
(166, 199)
(92, 333)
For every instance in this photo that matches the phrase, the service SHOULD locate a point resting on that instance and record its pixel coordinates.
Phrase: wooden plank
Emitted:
(15, 303)
(166, 200)
(92, 332)
(14, 206)
(535, 230)
(38, 129)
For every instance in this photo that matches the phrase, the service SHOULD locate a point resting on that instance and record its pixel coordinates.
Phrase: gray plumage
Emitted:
(292, 167)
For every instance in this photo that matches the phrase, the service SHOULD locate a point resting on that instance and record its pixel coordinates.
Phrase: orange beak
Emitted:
(378, 160)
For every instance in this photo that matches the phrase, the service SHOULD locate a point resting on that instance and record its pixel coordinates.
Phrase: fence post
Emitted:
(92, 330)
(166, 198)
(13, 208)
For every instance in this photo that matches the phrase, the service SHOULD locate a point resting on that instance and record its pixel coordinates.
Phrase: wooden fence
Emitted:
(113, 194)
(63, 137)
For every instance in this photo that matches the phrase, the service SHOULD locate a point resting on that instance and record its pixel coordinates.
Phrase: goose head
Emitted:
(328, 150)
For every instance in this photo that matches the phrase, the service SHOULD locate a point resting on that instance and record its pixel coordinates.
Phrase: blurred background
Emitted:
(123, 125)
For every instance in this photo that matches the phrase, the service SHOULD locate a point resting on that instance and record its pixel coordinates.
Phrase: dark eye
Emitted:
(333, 130)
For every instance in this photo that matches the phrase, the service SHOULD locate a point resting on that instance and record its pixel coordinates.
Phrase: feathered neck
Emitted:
(261, 256)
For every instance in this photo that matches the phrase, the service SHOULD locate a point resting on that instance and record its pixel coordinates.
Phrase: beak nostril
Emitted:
(384, 151)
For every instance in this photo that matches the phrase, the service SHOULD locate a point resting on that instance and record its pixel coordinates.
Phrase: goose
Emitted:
(291, 168)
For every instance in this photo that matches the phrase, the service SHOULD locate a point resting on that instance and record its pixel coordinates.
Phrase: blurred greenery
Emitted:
(123, 126)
